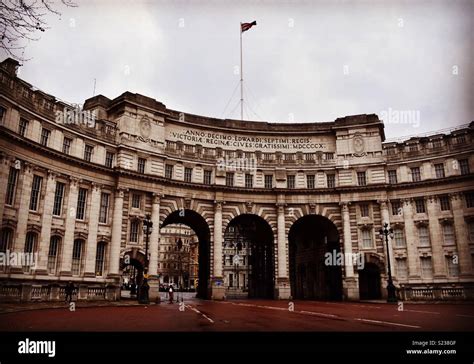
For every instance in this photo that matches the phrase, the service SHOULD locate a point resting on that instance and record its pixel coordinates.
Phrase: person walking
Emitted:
(69, 290)
(171, 293)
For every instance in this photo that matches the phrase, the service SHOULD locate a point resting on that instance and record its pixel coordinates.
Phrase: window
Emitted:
(11, 186)
(469, 199)
(248, 180)
(88, 149)
(104, 207)
(453, 266)
(23, 127)
(136, 200)
(58, 199)
(367, 239)
(168, 171)
(402, 271)
(420, 205)
(81, 204)
(6, 239)
(35, 192)
(134, 227)
(444, 203)
(413, 147)
(423, 236)
(188, 174)
(2, 114)
(141, 165)
(100, 258)
(392, 177)
(437, 143)
(310, 179)
(470, 227)
(329, 156)
(53, 254)
(464, 166)
(415, 174)
(396, 208)
(207, 177)
(290, 181)
(77, 257)
(439, 170)
(67, 145)
(364, 210)
(399, 238)
(45, 133)
(331, 180)
(448, 234)
(361, 178)
(30, 248)
(460, 139)
(268, 181)
(109, 159)
(426, 267)
(229, 179)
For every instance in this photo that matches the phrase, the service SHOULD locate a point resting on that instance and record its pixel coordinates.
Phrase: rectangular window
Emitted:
(423, 236)
(464, 166)
(76, 257)
(188, 174)
(35, 192)
(45, 133)
(168, 171)
(2, 114)
(392, 177)
(67, 145)
(413, 147)
(310, 181)
(229, 179)
(329, 156)
(23, 127)
(248, 180)
(399, 238)
(415, 174)
(81, 204)
(30, 247)
(53, 254)
(269, 181)
(426, 267)
(396, 208)
(141, 165)
(88, 149)
(136, 200)
(420, 205)
(207, 177)
(367, 239)
(331, 180)
(109, 159)
(470, 227)
(453, 266)
(448, 234)
(460, 139)
(290, 181)
(444, 203)
(437, 143)
(58, 199)
(439, 170)
(469, 199)
(402, 271)
(11, 186)
(104, 207)
(361, 179)
(134, 226)
(364, 210)
(99, 259)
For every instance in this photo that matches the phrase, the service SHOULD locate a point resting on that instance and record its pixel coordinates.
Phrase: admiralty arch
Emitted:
(77, 185)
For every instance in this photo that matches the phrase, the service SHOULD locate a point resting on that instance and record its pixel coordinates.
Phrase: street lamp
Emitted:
(143, 296)
(179, 244)
(385, 232)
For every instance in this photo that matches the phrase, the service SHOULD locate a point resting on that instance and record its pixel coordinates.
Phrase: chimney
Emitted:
(11, 66)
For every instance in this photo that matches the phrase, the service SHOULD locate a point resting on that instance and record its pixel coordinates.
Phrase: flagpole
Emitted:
(241, 79)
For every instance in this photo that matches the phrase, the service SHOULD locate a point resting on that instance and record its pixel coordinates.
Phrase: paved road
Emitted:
(248, 315)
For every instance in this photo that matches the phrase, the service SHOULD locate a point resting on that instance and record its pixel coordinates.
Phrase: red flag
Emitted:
(246, 26)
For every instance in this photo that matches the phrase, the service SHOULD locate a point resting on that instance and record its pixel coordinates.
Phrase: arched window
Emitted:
(100, 258)
(30, 248)
(53, 253)
(6, 237)
(77, 257)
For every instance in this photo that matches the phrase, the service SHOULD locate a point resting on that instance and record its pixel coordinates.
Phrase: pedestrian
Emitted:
(69, 290)
(170, 291)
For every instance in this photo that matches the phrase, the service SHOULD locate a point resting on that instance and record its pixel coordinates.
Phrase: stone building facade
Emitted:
(77, 184)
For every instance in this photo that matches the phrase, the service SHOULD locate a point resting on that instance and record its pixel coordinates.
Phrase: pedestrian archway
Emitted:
(131, 267)
(369, 282)
(248, 258)
(310, 238)
(202, 233)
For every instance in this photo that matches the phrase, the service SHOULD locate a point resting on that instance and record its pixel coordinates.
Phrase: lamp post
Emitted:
(143, 296)
(385, 232)
(179, 245)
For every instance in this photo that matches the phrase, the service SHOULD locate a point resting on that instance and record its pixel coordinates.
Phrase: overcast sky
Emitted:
(304, 62)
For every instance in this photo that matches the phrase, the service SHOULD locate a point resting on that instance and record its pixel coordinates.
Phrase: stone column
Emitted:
(439, 267)
(46, 222)
(462, 236)
(4, 171)
(70, 225)
(283, 289)
(154, 248)
(114, 260)
(411, 240)
(350, 284)
(91, 249)
(24, 192)
(218, 290)
(386, 219)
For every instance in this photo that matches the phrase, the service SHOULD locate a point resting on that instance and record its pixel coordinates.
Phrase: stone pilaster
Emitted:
(154, 248)
(350, 283)
(411, 237)
(24, 206)
(114, 260)
(4, 171)
(91, 249)
(283, 290)
(462, 235)
(218, 290)
(439, 267)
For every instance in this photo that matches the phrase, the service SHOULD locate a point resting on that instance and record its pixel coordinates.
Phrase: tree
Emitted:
(22, 20)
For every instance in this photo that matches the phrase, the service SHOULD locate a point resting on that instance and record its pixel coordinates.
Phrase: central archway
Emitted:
(310, 238)
(197, 223)
(248, 261)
